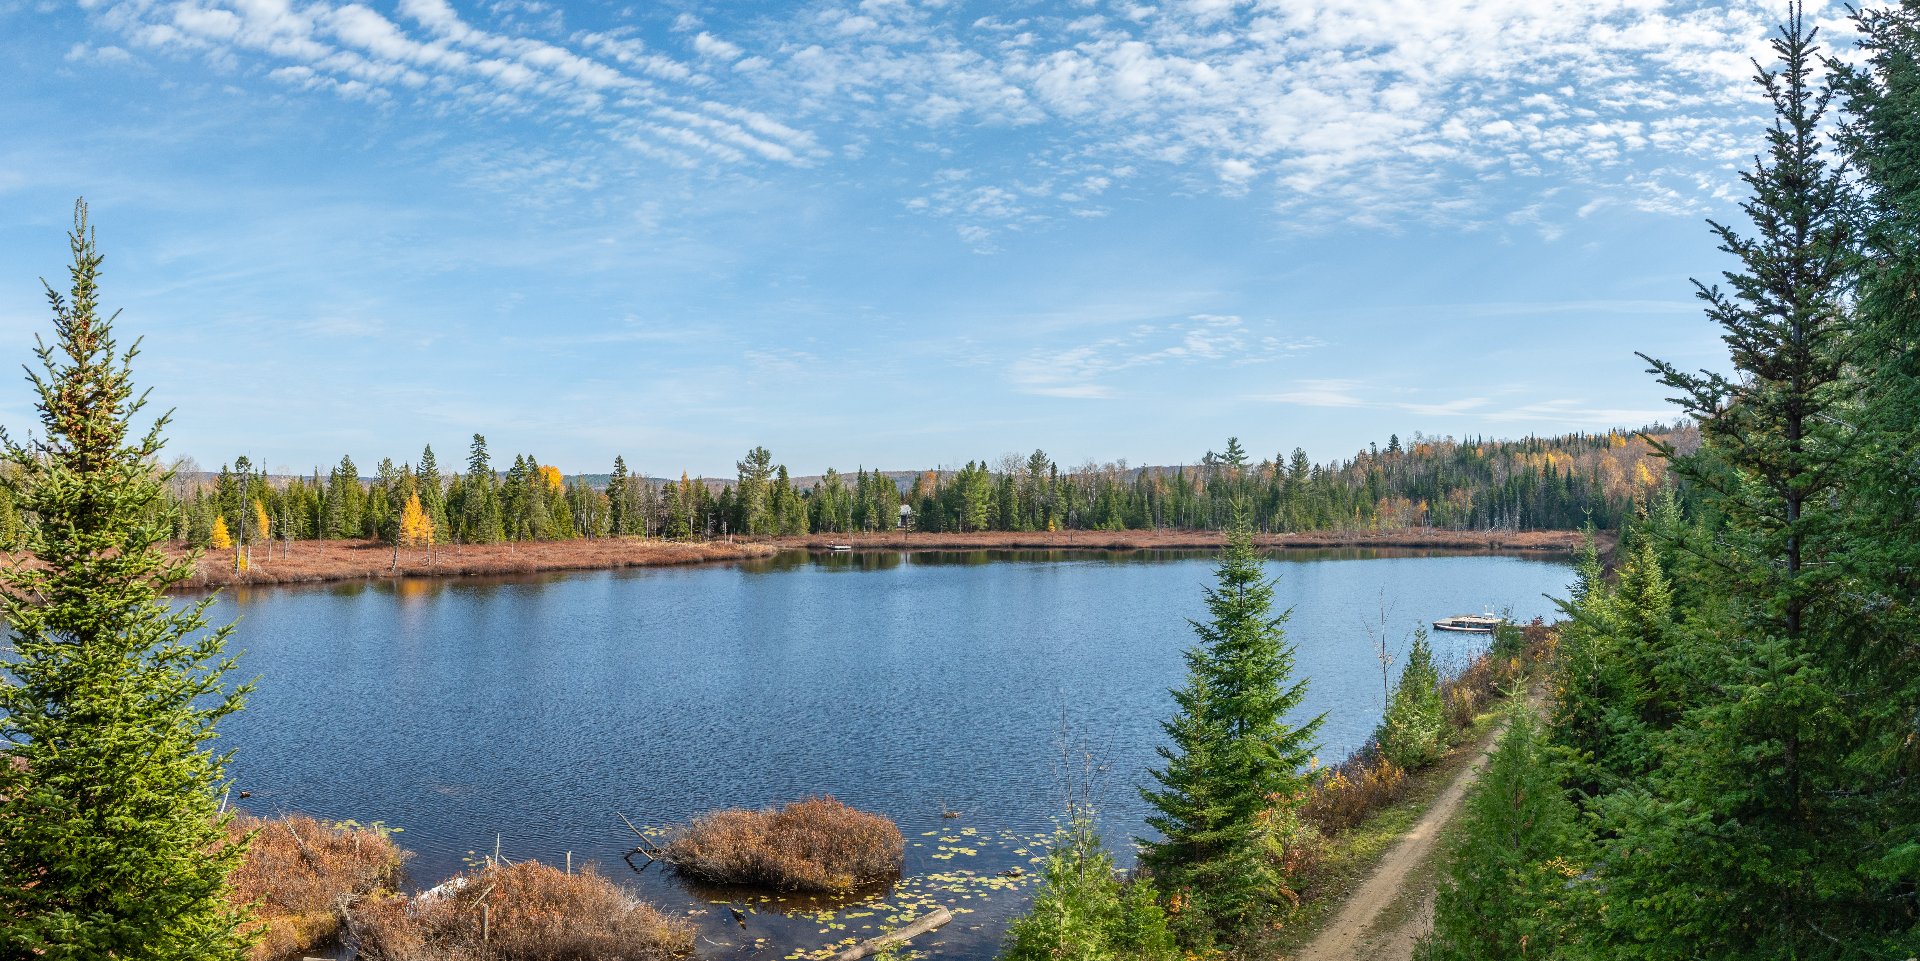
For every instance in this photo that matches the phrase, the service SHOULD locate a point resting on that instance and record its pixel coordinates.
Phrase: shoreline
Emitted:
(1414, 538)
(314, 562)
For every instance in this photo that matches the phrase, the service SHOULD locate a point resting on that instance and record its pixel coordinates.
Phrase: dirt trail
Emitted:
(1351, 935)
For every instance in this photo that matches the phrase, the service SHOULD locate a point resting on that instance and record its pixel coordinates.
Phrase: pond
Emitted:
(531, 712)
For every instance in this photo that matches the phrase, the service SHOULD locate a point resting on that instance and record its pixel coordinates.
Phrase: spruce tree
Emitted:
(1875, 649)
(1510, 888)
(617, 498)
(1413, 732)
(1233, 773)
(112, 840)
(1738, 844)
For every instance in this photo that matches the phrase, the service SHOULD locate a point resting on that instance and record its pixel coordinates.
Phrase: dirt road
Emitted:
(1357, 932)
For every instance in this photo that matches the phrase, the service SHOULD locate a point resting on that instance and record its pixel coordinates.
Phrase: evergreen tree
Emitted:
(753, 498)
(1232, 775)
(1414, 730)
(1875, 648)
(1739, 844)
(112, 844)
(617, 520)
(432, 488)
(1510, 888)
(479, 502)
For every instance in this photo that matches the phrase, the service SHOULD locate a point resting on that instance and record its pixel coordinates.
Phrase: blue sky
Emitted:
(888, 233)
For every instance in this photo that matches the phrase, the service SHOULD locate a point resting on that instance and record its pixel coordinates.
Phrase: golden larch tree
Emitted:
(416, 528)
(220, 538)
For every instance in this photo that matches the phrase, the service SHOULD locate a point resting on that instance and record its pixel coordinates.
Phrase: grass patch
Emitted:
(302, 875)
(818, 844)
(519, 912)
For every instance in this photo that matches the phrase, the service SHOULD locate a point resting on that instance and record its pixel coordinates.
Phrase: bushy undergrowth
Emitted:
(301, 875)
(1343, 796)
(1084, 912)
(818, 844)
(533, 912)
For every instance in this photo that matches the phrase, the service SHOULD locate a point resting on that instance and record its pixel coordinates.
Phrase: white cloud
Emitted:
(707, 45)
(1464, 111)
(637, 98)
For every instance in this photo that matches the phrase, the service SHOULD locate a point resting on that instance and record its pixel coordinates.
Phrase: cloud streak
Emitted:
(1085, 371)
(1518, 115)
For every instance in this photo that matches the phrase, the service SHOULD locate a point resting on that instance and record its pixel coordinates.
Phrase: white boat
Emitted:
(839, 547)
(1469, 623)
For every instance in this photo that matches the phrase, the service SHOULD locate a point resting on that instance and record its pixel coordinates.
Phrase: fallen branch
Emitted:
(647, 847)
(928, 922)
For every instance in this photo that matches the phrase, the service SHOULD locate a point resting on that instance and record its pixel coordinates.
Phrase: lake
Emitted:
(533, 709)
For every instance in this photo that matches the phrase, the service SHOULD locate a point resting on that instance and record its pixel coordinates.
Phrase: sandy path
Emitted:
(1350, 935)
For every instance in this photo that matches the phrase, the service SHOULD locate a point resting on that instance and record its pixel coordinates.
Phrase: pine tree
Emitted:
(1233, 770)
(112, 844)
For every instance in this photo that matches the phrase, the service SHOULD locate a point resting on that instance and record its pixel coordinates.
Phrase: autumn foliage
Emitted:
(301, 876)
(220, 538)
(416, 528)
(818, 844)
(523, 912)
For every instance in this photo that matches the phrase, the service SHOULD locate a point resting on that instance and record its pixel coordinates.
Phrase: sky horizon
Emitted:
(879, 233)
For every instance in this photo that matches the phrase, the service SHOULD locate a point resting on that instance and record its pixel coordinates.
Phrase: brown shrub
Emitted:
(1344, 796)
(818, 844)
(532, 913)
(301, 875)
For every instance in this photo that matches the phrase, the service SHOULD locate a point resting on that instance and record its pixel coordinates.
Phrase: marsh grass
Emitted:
(302, 876)
(519, 912)
(818, 844)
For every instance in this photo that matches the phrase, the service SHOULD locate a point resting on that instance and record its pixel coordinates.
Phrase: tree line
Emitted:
(1536, 483)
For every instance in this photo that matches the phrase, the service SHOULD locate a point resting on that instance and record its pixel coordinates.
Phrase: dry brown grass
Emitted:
(1408, 538)
(301, 876)
(818, 844)
(309, 561)
(532, 912)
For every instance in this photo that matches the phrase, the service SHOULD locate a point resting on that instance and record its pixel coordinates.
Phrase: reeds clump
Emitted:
(818, 844)
(302, 875)
(519, 912)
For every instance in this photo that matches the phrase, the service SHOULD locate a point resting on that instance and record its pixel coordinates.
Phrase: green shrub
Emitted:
(1084, 912)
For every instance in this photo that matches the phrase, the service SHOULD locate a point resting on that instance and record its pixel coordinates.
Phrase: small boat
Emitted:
(1469, 623)
(839, 547)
